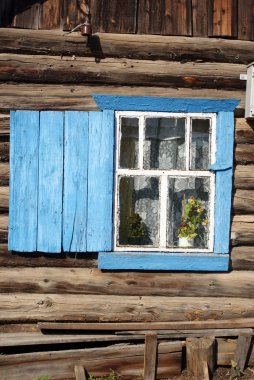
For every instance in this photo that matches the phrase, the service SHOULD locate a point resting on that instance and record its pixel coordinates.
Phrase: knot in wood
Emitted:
(46, 302)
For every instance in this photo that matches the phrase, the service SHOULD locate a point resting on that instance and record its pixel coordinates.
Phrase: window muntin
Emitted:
(168, 157)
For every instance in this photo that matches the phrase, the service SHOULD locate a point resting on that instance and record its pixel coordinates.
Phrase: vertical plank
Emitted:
(114, 16)
(200, 18)
(168, 17)
(79, 372)
(26, 14)
(223, 188)
(49, 17)
(100, 181)
(150, 357)
(75, 181)
(23, 193)
(242, 350)
(50, 182)
(223, 18)
(200, 355)
(246, 20)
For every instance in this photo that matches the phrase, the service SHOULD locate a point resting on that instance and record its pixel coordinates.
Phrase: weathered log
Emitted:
(242, 350)
(79, 372)
(242, 258)
(103, 45)
(200, 353)
(94, 308)
(243, 202)
(77, 97)
(71, 281)
(244, 154)
(4, 151)
(244, 177)
(4, 125)
(150, 356)
(125, 360)
(3, 228)
(79, 70)
(4, 198)
(244, 131)
(242, 231)
(4, 173)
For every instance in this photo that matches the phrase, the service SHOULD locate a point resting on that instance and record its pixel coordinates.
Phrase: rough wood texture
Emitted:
(199, 18)
(95, 308)
(244, 177)
(242, 258)
(223, 18)
(242, 349)
(3, 228)
(77, 97)
(79, 70)
(87, 281)
(226, 351)
(150, 356)
(106, 45)
(200, 354)
(245, 20)
(243, 202)
(125, 360)
(242, 230)
(4, 198)
(244, 153)
(79, 372)
(244, 131)
(4, 177)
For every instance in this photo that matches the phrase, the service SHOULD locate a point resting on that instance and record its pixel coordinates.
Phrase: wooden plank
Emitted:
(26, 14)
(242, 350)
(66, 70)
(49, 17)
(49, 237)
(71, 281)
(100, 181)
(114, 16)
(200, 18)
(150, 356)
(75, 181)
(144, 47)
(245, 20)
(200, 354)
(23, 194)
(125, 360)
(223, 18)
(165, 17)
(79, 372)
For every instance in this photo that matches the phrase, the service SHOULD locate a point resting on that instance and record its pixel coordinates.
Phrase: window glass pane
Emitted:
(164, 144)
(188, 212)
(200, 144)
(129, 132)
(139, 206)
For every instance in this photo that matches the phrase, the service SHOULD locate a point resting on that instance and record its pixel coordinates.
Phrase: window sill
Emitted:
(164, 261)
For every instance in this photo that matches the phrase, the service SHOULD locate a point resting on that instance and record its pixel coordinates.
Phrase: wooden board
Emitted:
(200, 18)
(49, 16)
(150, 356)
(245, 20)
(26, 14)
(222, 18)
(165, 17)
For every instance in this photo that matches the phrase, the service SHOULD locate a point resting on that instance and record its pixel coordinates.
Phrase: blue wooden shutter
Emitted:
(223, 168)
(61, 183)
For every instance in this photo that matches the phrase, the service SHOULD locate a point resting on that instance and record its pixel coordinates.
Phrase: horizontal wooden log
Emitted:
(242, 230)
(4, 151)
(103, 45)
(4, 198)
(244, 131)
(79, 70)
(243, 202)
(242, 258)
(125, 360)
(244, 154)
(4, 173)
(3, 228)
(77, 97)
(4, 125)
(97, 308)
(244, 177)
(87, 281)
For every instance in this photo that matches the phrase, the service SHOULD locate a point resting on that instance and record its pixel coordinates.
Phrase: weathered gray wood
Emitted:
(79, 97)
(244, 154)
(242, 258)
(71, 281)
(242, 350)
(150, 357)
(244, 131)
(200, 354)
(243, 202)
(4, 198)
(226, 351)
(3, 228)
(55, 69)
(242, 230)
(126, 360)
(79, 372)
(4, 176)
(244, 177)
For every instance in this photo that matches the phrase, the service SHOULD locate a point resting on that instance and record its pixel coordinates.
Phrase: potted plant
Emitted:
(193, 221)
(136, 229)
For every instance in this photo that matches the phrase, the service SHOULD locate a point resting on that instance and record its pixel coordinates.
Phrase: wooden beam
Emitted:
(105, 45)
(79, 372)
(242, 350)
(200, 353)
(112, 71)
(150, 357)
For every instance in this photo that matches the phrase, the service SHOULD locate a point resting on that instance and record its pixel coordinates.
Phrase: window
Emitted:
(162, 171)
(79, 182)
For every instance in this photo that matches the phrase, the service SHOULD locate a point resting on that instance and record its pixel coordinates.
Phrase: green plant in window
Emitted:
(136, 229)
(194, 220)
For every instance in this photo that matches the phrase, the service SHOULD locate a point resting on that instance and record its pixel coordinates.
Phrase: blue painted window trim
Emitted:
(223, 167)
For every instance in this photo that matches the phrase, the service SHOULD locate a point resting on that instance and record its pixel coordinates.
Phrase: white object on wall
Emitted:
(249, 100)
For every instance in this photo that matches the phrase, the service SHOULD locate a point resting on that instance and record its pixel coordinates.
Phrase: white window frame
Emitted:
(164, 174)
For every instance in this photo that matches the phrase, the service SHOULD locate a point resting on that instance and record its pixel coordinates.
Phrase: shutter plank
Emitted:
(23, 180)
(50, 182)
(75, 181)
(223, 188)
(100, 181)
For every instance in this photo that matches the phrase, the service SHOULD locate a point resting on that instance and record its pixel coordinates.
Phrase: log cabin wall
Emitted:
(43, 69)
